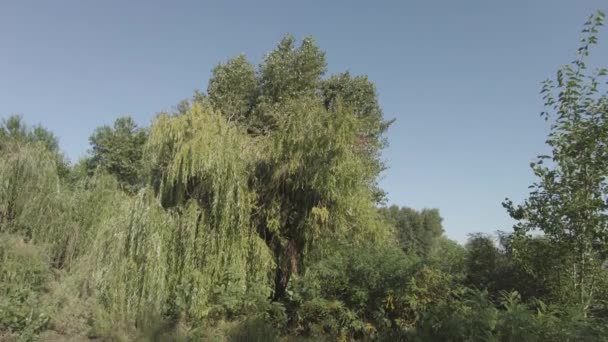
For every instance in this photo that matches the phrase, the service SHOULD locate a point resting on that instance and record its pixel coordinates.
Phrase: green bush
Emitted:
(349, 292)
(254, 330)
(24, 278)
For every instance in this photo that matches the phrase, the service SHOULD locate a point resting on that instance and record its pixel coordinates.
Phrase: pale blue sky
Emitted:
(461, 77)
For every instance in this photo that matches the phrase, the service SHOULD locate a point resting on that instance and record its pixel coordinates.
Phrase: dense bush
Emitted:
(348, 293)
(25, 276)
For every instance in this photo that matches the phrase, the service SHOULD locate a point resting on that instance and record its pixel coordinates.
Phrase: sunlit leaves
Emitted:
(569, 202)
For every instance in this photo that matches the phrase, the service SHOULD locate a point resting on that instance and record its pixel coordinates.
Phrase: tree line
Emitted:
(252, 212)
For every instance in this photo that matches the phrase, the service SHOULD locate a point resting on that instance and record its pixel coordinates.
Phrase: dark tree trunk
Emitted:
(281, 280)
(288, 263)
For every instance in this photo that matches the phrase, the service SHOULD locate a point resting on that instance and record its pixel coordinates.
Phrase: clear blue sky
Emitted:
(461, 77)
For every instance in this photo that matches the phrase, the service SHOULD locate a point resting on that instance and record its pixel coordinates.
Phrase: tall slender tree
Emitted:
(569, 202)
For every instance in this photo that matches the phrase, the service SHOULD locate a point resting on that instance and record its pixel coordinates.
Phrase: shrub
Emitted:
(24, 277)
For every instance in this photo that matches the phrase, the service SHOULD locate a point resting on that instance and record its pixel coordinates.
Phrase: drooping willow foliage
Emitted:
(136, 257)
(188, 246)
(37, 204)
(150, 260)
(28, 175)
(284, 189)
(225, 211)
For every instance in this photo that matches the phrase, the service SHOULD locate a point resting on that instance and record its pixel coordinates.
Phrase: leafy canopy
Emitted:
(118, 150)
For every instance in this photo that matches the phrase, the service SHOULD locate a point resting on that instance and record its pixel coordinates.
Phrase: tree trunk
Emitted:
(288, 263)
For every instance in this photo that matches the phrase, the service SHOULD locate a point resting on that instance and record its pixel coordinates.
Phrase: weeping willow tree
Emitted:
(313, 183)
(28, 174)
(183, 248)
(36, 204)
(201, 175)
(319, 149)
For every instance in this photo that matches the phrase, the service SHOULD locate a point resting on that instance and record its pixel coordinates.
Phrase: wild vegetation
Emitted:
(253, 213)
